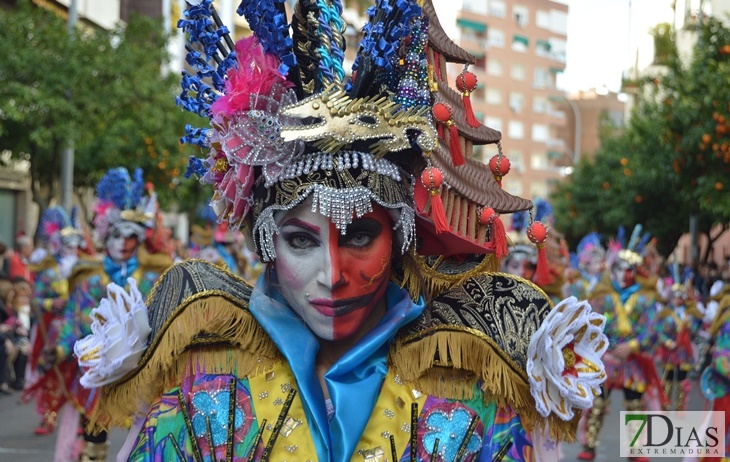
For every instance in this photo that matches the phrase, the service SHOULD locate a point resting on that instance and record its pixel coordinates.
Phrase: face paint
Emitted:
(624, 274)
(333, 281)
(519, 264)
(120, 247)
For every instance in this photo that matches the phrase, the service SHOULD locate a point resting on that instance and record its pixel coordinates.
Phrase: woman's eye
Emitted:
(301, 241)
(360, 239)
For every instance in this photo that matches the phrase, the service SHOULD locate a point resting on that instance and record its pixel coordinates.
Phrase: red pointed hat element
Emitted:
(499, 166)
(466, 82)
(444, 114)
(537, 233)
(432, 179)
(498, 235)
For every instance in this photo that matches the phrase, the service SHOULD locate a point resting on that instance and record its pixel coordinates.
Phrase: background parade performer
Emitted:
(630, 309)
(123, 215)
(61, 237)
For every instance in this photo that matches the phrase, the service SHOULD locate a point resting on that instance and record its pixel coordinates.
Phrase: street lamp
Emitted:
(578, 124)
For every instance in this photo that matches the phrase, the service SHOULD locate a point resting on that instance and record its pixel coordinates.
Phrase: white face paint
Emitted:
(122, 243)
(333, 281)
(623, 273)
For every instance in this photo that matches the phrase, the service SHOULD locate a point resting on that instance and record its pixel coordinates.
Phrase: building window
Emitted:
(517, 72)
(495, 38)
(538, 189)
(516, 160)
(540, 104)
(516, 130)
(538, 161)
(542, 48)
(542, 19)
(513, 186)
(520, 43)
(516, 102)
(494, 67)
(540, 133)
(474, 26)
(540, 79)
(494, 123)
(494, 96)
(521, 15)
(498, 9)
(477, 6)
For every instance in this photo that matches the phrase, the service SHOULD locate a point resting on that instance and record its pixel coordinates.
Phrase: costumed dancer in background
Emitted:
(61, 237)
(590, 262)
(334, 354)
(123, 214)
(676, 324)
(715, 380)
(629, 309)
(213, 242)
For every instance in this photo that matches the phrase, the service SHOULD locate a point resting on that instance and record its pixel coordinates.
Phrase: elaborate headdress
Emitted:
(121, 204)
(287, 125)
(56, 229)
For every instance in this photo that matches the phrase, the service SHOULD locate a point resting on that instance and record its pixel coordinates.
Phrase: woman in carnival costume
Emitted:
(629, 307)
(377, 330)
(61, 237)
(123, 215)
(677, 323)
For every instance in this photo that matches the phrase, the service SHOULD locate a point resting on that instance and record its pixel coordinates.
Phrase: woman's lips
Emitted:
(342, 307)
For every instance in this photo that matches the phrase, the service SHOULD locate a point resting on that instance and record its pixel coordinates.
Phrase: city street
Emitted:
(17, 441)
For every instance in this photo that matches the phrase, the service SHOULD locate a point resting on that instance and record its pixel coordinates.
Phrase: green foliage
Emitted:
(104, 90)
(672, 160)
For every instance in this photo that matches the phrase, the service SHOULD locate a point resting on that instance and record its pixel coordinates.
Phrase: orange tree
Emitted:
(672, 159)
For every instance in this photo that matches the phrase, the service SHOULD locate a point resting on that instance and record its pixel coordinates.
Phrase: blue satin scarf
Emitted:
(119, 272)
(354, 381)
(626, 292)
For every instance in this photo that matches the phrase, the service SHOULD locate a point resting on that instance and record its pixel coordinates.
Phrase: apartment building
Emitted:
(520, 47)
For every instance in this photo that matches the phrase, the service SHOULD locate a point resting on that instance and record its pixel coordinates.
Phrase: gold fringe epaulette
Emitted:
(47, 263)
(153, 262)
(200, 320)
(85, 268)
(476, 336)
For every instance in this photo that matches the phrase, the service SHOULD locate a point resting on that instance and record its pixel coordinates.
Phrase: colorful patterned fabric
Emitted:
(200, 407)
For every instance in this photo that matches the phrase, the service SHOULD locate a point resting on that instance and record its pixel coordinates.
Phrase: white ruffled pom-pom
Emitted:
(119, 330)
(564, 359)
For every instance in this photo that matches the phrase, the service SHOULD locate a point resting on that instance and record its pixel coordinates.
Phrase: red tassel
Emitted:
(542, 272)
(457, 157)
(420, 196)
(471, 119)
(438, 213)
(499, 237)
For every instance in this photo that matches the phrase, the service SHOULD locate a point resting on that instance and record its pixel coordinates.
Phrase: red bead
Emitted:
(466, 81)
(432, 178)
(537, 232)
(486, 216)
(499, 165)
(442, 112)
